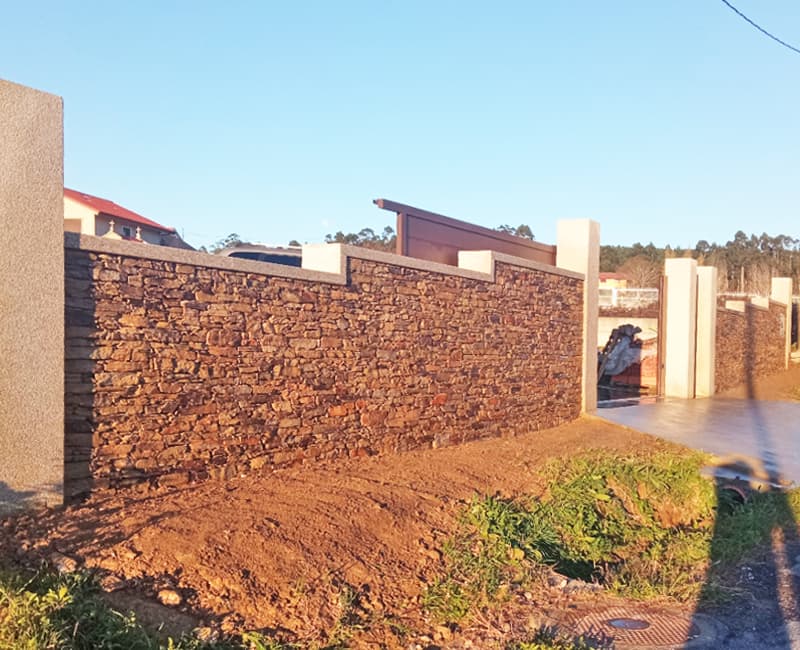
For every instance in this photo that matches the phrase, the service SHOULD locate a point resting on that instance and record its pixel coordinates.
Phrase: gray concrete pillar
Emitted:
(680, 327)
(578, 249)
(31, 297)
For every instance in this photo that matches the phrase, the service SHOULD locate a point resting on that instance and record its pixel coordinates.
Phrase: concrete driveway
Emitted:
(763, 435)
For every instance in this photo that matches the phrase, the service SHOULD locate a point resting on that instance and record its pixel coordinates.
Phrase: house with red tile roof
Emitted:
(613, 280)
(91, 215)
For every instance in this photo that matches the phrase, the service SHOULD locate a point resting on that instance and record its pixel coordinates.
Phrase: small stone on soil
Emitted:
(111, 583)
(63, 563)
(169, 597)
(206, 634)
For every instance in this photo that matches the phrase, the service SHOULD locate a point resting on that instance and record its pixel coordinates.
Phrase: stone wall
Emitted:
(179, 371)
(749, 343)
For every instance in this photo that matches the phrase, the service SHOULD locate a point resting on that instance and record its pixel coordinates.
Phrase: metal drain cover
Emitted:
(627, 623)
(629, 627)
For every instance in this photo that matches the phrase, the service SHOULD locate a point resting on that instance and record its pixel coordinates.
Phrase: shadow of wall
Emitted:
(765, 586)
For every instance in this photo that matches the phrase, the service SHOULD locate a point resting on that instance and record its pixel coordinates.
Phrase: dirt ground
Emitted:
(291, 550)
(277, 551)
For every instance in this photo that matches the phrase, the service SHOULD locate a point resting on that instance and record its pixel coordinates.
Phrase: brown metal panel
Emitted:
(435, 237)
(401, 243)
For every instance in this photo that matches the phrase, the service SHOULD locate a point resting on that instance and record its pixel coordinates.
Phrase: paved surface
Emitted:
(761, 434)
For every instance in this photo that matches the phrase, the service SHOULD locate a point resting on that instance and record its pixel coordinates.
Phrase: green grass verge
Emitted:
(47, 610)
(645, 527)
(547, 640)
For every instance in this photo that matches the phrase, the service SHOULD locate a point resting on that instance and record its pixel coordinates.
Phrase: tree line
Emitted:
(387, 240)
(746, 263)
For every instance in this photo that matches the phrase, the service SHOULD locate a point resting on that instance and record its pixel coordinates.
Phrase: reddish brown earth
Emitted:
(278, 551)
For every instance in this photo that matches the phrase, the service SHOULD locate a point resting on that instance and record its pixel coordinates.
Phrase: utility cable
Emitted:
(759, 28)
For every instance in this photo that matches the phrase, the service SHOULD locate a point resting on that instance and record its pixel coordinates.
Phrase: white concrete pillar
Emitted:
(31, 297)
(328, 258)
(578, 249)
(481, 261)
(781, 291)
(705, 357)
(681, 325)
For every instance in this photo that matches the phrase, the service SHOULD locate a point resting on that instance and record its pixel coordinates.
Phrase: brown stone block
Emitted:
(340, 410)
(304, 343)
(372, 418)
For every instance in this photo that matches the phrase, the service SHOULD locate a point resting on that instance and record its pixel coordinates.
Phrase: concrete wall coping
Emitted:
(763, 302)
(485, 261)
(332, 257)
(772, 301)
(733, 306)
(321, 262)
(195, 258)
(736, 308)
(759, 304)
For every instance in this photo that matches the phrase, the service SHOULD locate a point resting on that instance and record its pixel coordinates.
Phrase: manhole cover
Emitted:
(628, 624)
(632, 627)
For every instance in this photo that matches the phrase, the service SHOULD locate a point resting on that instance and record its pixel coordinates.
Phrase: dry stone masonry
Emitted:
(749, 344)
(178, 372)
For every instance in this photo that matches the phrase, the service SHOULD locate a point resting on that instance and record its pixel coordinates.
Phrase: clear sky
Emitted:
(664, 121)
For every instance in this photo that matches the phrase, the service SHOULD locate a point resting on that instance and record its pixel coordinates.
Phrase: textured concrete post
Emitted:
(31, 297)
(705, 358)
(680, 327)
(578, 249)
(782, 292)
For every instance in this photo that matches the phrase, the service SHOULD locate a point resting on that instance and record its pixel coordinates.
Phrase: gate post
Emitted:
(705, 359)
(31, 297)
(681, 327)
(578, 249)
(781, 291)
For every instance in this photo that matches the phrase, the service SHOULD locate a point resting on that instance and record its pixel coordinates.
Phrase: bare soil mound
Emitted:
(291, 550)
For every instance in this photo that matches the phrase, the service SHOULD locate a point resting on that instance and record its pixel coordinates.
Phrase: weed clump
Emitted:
(548, 640)
(641, 526)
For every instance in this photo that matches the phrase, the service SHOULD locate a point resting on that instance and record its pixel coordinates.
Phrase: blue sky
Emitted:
(664, 121)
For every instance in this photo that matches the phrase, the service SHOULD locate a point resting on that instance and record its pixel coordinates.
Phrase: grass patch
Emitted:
(645, 527)
(47, 610)
(547, 639)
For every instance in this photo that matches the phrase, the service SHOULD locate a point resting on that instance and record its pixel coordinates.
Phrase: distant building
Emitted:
(91, 215)
(613, 281)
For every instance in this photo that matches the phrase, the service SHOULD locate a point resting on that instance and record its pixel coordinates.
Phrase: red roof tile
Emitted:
(111, 209)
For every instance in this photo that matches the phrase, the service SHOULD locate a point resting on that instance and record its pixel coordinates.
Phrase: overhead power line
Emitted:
(759, 28)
